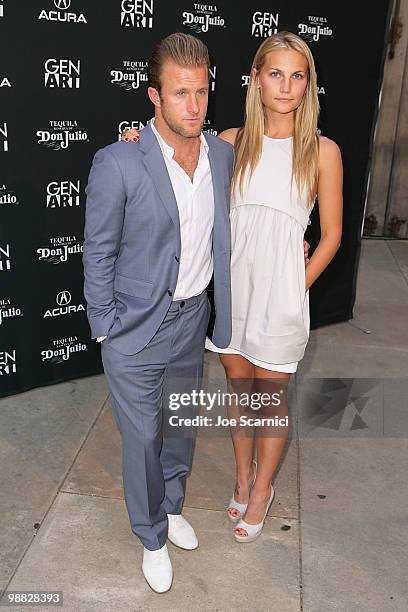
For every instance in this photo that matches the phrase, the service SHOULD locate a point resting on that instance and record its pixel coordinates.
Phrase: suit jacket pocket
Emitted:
(132, 286)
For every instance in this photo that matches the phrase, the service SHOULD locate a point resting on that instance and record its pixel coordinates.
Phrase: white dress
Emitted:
(270, 308)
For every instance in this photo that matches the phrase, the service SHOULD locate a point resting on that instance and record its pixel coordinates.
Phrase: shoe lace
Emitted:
(159, 556)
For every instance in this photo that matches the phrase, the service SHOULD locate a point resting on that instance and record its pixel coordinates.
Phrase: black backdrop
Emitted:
(72, 74)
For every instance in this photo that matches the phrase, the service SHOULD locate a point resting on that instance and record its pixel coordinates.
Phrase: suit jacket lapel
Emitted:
(156, 167)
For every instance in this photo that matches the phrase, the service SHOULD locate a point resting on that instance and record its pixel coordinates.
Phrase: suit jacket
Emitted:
(132, 242)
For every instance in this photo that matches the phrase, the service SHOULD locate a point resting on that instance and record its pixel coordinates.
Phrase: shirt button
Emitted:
(177, 258)
(169, 292)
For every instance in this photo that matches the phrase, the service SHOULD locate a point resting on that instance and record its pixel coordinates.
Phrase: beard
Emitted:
(178, 128)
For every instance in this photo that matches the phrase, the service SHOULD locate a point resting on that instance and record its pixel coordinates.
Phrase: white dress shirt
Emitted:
(195, 202)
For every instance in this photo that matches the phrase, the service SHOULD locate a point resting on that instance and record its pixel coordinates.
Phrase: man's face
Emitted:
(183, 98)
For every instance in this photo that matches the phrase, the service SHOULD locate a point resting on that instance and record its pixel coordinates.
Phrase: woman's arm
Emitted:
(330, 198)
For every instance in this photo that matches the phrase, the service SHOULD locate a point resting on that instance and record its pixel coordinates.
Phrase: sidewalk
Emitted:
(336, 537)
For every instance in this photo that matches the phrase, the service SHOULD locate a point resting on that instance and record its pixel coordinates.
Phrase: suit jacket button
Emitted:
(169, 292)
(177, 258)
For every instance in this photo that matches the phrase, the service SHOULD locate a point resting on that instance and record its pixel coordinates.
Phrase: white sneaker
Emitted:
(181, 532)
(157, 569)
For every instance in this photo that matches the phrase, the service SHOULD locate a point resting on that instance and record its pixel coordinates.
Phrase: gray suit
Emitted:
(131, 262)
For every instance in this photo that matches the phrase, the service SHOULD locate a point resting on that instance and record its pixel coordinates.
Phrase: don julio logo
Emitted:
(8, 310)
(264, 24)
(60, 249)
(131, 75)
(315, 28)
(62, 73)
(62, 349)
(136, 13)
(203, 17)
(4, 136)
(65, 307)
(61, 134)
(208, 127)
(63, 194)
(8, 362)
(7, 196)
(5, 262)
(62, 13)
(212, 77)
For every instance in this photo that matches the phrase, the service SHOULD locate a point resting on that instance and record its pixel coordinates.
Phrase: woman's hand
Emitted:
(130, 135)
(306, 247)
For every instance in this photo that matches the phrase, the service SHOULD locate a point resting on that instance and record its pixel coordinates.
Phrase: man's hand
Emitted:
(306, 247)
(130, 134)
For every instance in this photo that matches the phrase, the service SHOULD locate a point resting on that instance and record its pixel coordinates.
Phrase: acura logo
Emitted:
(63, 298)
(62, 5)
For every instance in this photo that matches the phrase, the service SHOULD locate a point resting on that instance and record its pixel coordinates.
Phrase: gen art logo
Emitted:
(63, 194)
(1, 8)
(136, 14)
(4, 82)
(202, 17)
(134, 125)
(62, 73)
(4, 144)
(264, 24)
(8, 362)
(62, 14)
(5, 260)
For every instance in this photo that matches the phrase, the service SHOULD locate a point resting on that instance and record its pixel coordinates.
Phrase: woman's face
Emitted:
(283, 79)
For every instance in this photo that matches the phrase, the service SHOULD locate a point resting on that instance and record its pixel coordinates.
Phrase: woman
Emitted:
(281, 166)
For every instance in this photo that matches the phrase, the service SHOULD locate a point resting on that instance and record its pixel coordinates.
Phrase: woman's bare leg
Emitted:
(240, 372)
(270, 442)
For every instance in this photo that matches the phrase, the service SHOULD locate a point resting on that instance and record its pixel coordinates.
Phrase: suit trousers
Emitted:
(155, 460)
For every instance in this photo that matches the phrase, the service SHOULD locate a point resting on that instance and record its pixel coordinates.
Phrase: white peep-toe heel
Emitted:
(253, 531)
(234, 505)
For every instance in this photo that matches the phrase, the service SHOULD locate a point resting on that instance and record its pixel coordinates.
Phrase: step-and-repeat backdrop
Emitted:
(73, 75)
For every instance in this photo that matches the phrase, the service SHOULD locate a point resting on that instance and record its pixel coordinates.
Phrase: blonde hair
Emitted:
(183, 49)
(305, 147)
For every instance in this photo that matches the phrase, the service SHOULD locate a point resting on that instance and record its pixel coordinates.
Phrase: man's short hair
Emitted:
(183, 49)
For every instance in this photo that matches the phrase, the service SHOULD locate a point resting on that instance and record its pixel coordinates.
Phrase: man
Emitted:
(156, 230)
